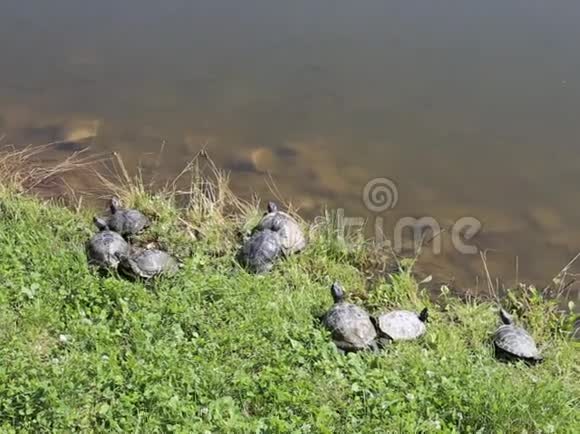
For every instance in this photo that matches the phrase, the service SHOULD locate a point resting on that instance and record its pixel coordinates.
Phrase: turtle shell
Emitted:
(516, 341)
(148, 264)
(291, 236)
(401, 325)
(128, 221)
(350, 326)
(103, 248)
(260, 251)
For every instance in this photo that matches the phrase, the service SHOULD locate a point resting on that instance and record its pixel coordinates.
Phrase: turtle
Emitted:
(126, 221)
(260, 252)
(291, 235)
(403, 325)
(105, 246)
(147, 263)
(514, 343)
(352, 328)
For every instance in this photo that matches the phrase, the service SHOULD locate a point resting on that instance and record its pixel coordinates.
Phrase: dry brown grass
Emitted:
(25, 170)
(201, 188)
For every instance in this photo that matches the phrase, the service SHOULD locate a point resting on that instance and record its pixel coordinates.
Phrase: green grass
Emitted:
(215, 349)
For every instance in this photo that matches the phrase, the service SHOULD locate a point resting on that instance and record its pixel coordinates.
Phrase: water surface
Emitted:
(472, 108)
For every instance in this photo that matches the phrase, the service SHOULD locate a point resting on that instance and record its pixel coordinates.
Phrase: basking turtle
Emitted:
(104, 247)
(291, 235)
(146, 264)
(126, 221)
(351, 327)
(513, 343)
(260, 251)
(403, 325)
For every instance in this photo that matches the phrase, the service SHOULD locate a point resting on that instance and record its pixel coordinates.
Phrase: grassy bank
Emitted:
(215, 349)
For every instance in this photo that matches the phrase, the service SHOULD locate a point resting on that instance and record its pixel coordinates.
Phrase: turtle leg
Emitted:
(534, 360)
(383, 341)
(344, 347)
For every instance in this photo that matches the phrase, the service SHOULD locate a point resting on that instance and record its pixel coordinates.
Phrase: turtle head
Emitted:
(424, 315)
(100, 223)
(272, 207)
(506, 318)
(115, 204)
(337, 292)
(121, 257)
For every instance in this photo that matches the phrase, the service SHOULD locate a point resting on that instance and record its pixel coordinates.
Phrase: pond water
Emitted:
(472, 109)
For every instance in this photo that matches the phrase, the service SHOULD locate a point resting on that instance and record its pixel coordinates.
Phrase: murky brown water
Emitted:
(472, 109)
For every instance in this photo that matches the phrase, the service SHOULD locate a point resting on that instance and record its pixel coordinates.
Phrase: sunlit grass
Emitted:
(215, 349)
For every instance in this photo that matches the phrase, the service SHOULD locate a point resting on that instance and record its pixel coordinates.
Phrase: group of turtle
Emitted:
(279, 235)
(353, 329)
(110, 247)
(276, 236)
